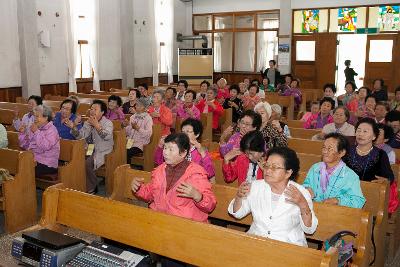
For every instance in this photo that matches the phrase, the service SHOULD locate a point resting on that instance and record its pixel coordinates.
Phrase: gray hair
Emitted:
(277, 108)
(159, 91)
(264, 105)
(215, 90)
(143, 101)
(46, 111)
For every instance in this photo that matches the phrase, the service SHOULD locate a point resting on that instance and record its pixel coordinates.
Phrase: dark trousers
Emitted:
(133, 151)
(42, 169)
(91, 177)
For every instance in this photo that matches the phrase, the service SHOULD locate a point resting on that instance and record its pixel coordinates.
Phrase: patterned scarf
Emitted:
(189, 155)
(326, 174)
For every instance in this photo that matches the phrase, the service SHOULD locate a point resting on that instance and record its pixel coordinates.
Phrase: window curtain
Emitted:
(268, 42)
(72, 42)
(217, 47)
(93, 18)
(168, 36)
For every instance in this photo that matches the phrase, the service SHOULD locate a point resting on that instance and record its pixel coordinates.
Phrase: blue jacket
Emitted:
(344, 184)
(64, 130)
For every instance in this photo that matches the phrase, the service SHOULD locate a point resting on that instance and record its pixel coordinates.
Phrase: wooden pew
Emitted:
(18, 196)
(295, 123)
(147, 159)
(6, 118)
(206, 120)
(71, 172)
(23, 108)
(302, 133)
(305, 146)
(113, 160)
(286, 102)
(195, 243)
(55, 105)
(226, 119)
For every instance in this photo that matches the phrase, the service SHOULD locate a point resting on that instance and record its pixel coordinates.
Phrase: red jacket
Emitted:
(238, 170)
(217, 112)
(170, 202)
(165, 118)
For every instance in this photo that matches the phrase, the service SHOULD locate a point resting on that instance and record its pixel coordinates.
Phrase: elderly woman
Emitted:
(98, 131)
(248, 121)
(331, 181)
(140, 129)
(242, 164)
(178, 186)
(339, 125)
(223, 90)
(3, 137)
(114, 111)
(323, 117)
(294, 90)
(379, 91)
(197, 153)
(281, 208)
(276, 116)
(43, 140)
(385, 132)
(251, 99)
(160, 113)
(271, 130)
(28, 118)
(365, 159)
(204, 85)
(211, 105)
(187, 109)
(67, 113)
(350, 88)
(129, 107)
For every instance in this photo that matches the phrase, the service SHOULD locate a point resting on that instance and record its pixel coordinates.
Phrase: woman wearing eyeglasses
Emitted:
(331, 181)
(281, 208)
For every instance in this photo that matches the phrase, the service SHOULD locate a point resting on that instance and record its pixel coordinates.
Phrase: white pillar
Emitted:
(28, 47)
(127, 44)
(285, 30)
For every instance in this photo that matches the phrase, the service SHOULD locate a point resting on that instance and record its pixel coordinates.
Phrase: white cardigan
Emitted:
(284, 223)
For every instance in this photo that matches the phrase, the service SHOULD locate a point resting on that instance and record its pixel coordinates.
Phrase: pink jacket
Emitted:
(170, 203)
(205, 162)
(115, 115)
(44, 143)
(181, 113)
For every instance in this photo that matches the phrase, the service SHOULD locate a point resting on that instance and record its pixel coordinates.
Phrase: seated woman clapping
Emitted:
(281, 209)
(62, 118)
(43, 140)
(177, 187)
(331, 181)
(242, 164)
(197, 153)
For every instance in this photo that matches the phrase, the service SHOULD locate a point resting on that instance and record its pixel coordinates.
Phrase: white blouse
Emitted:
(282, 222)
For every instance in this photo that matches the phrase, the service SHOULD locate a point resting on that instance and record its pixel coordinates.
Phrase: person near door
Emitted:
(349, 72)
(379, 90)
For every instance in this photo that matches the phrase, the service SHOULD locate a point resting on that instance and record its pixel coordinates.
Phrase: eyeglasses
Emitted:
(328, 149)
(272, 167)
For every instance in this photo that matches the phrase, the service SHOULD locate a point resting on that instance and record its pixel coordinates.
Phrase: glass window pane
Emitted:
(267, 48)
(223, 51)
(380, 50)
(198, 43)
(245, 21)
(84, 62)
(268, 21)
(305, 50)
(244, 51)
(298, 21)
(202, 23)
(386, 18)
(347, 19)
(223, 22)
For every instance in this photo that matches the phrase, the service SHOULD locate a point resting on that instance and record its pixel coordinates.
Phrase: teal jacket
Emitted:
(344, 184)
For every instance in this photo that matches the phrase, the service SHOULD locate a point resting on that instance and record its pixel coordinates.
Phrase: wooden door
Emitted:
(325, 59)
(304, 70)
(388, 71)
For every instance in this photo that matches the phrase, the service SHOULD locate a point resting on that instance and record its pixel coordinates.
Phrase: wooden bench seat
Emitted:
(23, 108)
(302, 133)
(286, 102)
(305, 146)
(6, 118)
(18, 196)
(195, 243)
(295, 123)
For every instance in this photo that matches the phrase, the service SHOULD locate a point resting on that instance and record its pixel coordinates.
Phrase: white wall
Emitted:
(214, 6)
(109, 40)
(53, 60)
(142, 39)
(10, 73)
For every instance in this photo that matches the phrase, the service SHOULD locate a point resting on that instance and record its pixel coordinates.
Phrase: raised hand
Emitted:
(293, 195)
(232, 154)
(243, 190)
(136, 184)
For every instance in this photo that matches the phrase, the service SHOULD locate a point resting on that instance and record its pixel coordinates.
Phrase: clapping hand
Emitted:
(277, 125)
(93, 121)
(232, 154)
(188, 191)
(155, 114)
(22, 128)
(69, 123)
(135, 126)
(243, 190)
(294, 196)
(34, 127)
(136, 184)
